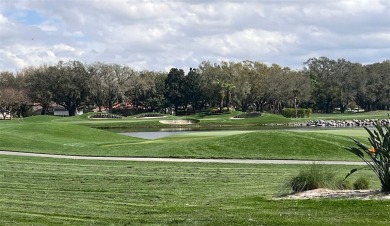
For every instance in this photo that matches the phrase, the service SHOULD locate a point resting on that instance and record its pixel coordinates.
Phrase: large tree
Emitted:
(326, 75)
(193, 92)
(70, 87)
(108, 84)
(375, 93)
(38, 82)
(13, 97)
(147, 91)
(175, 88)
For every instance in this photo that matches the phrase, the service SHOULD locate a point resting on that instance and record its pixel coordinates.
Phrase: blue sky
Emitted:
(27, 17)
(158, 35)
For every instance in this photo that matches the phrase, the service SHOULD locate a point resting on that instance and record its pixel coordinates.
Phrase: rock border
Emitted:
(341, 123)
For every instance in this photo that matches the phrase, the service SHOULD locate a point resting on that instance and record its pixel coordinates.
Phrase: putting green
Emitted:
(353, 132)
(219, 133)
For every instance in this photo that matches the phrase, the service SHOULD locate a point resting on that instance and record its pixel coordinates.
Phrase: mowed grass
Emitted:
(50, 136)
(40, 191)
(215, 120)
(256, 144)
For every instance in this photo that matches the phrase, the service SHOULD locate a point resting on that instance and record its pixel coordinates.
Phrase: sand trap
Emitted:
(179, 122)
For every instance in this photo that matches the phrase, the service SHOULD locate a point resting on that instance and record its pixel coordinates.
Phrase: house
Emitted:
(6, 115)
(61, 112)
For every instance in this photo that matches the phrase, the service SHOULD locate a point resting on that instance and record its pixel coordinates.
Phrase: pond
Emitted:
(155, 134)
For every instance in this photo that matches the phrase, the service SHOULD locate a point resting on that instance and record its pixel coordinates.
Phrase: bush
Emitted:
(248, 115)
(308, 112)
(311, 178)
(361, 183)
(301, 113)
(343, 184)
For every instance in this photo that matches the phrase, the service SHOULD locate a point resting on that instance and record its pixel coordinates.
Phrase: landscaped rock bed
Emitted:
(340, 194)
(151, 115)
(104, 116)
(342, 123)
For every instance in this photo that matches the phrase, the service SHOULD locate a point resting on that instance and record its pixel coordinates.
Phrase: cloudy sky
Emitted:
(158, 35)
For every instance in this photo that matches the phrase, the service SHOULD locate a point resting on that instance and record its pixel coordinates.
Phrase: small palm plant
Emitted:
(377, 156)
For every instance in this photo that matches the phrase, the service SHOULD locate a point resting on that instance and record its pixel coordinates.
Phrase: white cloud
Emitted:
(248, 42)
(3, 20)
(158, 34)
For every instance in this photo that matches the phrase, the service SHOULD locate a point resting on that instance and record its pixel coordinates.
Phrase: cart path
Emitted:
(188, 160)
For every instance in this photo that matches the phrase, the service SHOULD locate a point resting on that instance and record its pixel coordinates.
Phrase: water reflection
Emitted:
(155, 135)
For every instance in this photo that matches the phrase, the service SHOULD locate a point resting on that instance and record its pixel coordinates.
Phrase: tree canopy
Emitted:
(323, 84)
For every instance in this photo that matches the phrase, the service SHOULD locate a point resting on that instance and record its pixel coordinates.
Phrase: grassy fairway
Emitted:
(39, 191)
(212, 121)
(259, 144)
(51, 136)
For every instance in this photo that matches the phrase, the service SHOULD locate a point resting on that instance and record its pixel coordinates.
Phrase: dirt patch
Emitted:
(339, 194)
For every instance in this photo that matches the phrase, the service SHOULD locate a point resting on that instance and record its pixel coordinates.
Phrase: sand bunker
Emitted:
(179, 122)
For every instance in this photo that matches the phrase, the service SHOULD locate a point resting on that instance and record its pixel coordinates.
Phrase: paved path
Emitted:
(189, 160)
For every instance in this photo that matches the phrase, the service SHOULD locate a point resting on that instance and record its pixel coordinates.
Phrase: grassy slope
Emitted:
(38, 191)
(47, 136)
(70, 136)
(259, 144)
(43, 135)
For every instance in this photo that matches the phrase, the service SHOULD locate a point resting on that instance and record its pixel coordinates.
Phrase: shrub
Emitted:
(310, 178)
(290, 112)
(308, 112)
(377, 157)
(361, 183)
(343, 184)
(248, 115)
(214, 110)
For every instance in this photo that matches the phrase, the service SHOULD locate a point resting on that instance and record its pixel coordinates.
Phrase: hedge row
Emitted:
(301, 113)
(248, 115)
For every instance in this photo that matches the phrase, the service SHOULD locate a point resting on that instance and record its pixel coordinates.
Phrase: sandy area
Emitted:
(178, 122)
(343, 194)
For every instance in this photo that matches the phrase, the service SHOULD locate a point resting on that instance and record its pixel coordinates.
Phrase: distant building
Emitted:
(5, 115)
(61, 112)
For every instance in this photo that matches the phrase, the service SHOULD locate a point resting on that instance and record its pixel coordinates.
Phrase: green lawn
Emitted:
(212, 121)
(39, 191)
(47, 135)
(43, 191)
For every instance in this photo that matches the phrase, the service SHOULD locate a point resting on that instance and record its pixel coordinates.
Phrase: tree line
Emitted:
(322, 84)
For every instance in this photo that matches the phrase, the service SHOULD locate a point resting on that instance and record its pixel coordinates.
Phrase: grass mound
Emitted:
(59, 138)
